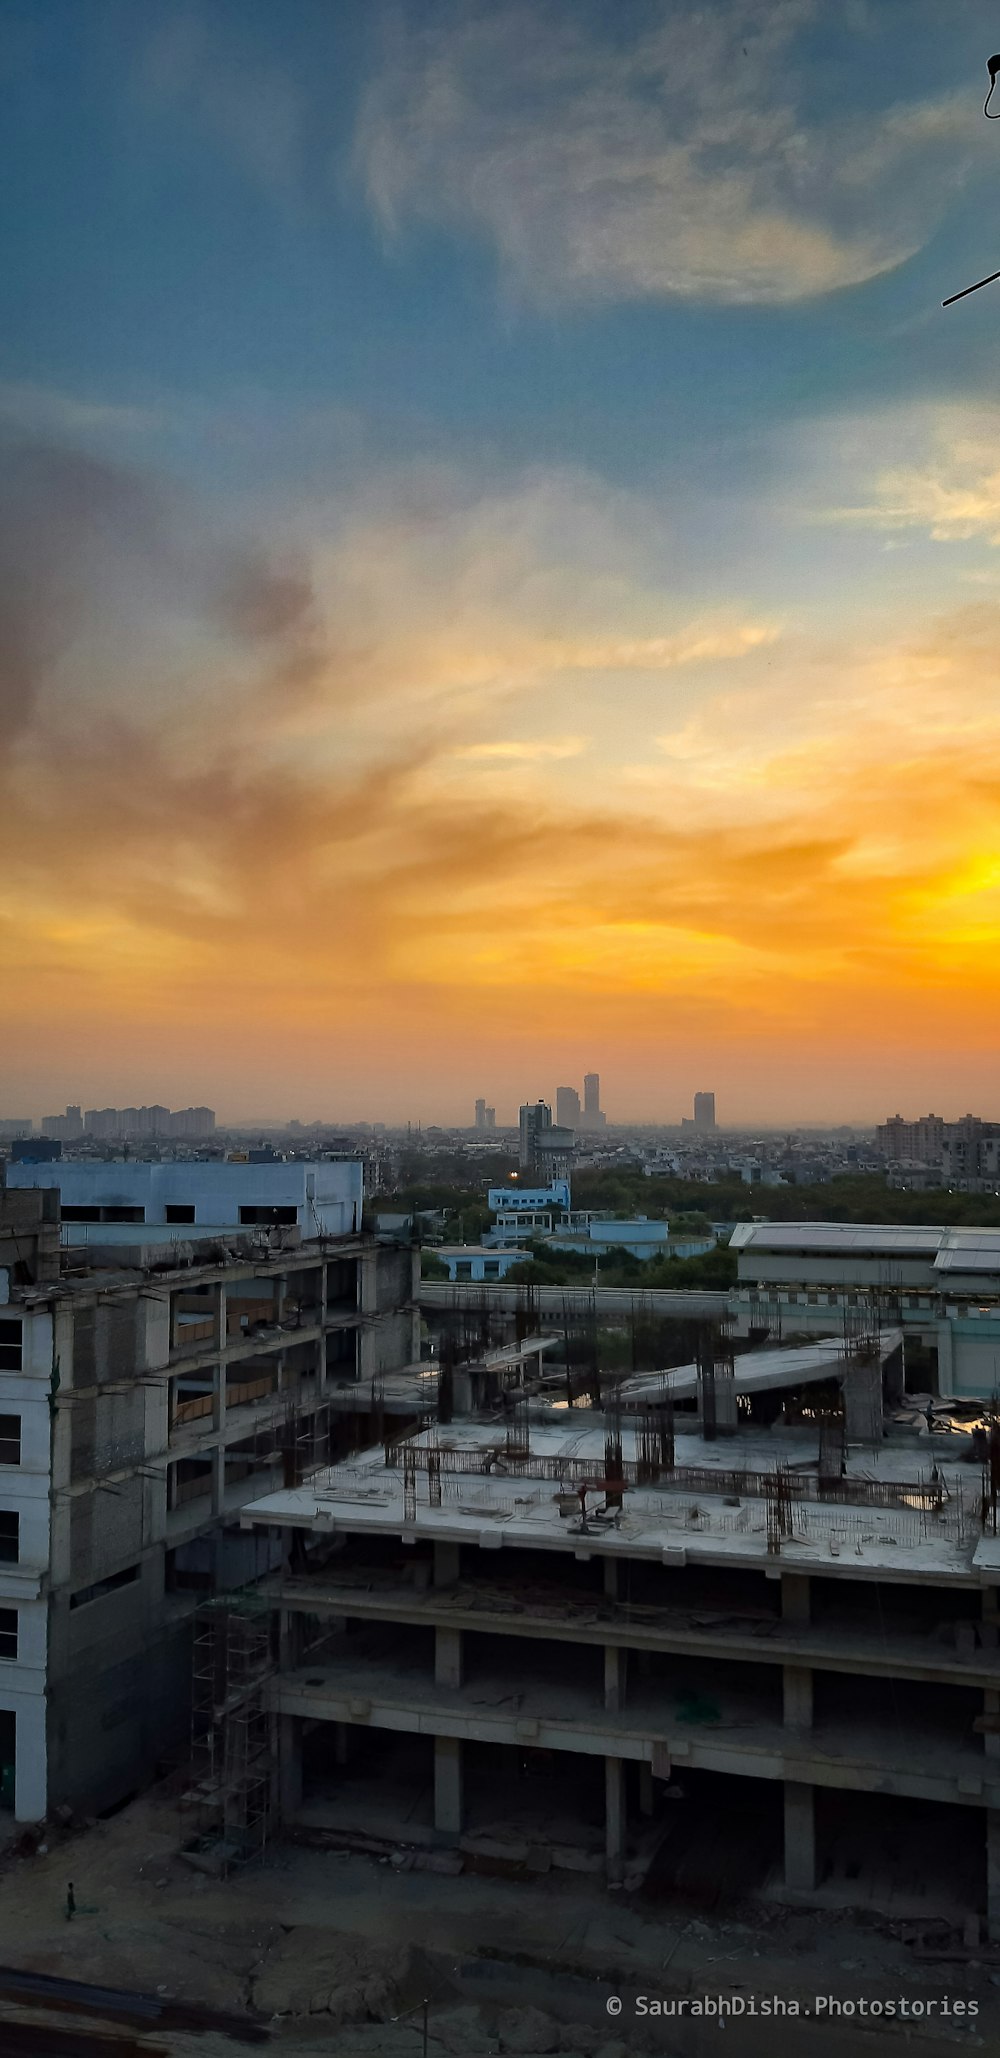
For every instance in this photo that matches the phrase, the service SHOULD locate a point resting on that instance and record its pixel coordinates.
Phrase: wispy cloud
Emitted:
(677, 164)
(950, 490)
(43, 410)
(528, 751)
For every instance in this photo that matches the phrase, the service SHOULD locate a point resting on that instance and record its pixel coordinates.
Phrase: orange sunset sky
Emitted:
(500, 560)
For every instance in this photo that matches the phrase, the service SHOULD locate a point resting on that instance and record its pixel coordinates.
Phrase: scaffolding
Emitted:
(232, 1748)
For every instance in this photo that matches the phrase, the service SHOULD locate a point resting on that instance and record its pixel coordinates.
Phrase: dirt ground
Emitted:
(337, 1953)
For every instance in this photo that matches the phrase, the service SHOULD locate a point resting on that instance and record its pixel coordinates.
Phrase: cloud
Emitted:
(676, 164)
(950, 490)
(181, 863)
(528, 751)
(45, 410)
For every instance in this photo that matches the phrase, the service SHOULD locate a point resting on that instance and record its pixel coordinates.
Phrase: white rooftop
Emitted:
(756, 1371)
(964, 1250)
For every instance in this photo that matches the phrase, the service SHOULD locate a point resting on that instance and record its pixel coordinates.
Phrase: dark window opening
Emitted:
(178, 1211)
(8, 1633)
(108, 1214)
(268, 1218)
(10, 1346)
(10, 1439)
(10, 1523)
(104, 1586)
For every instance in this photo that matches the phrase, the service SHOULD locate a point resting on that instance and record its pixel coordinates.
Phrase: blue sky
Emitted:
(573, 385)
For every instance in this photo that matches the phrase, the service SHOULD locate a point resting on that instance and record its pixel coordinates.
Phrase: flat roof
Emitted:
(677, 1520)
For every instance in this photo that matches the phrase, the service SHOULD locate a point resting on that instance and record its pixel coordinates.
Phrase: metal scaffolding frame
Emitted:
(232, 1740)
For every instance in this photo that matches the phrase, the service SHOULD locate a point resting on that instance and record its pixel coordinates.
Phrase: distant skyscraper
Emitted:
(704, 1111)
(592, 1116)
(480, 1114)
(568, 1107)
(486, 1117)
(534, 1118)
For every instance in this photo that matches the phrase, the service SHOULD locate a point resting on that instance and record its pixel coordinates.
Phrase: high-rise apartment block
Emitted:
(63, 1128)
(592, 1115)
(534, 1118)
(486, 1117)
(964, 1153)
(568, 1107)
(704, 1111)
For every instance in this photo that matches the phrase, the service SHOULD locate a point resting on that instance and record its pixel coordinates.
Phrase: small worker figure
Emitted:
(929, 1414)
(70, 1902)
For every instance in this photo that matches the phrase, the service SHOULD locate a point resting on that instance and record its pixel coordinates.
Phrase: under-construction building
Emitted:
(142, 1406)
(731, 1636)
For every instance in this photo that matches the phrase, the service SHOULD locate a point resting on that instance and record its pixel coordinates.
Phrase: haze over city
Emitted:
(499, 562)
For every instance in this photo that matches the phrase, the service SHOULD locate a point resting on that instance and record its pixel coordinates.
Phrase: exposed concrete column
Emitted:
(726, 1410)
(614, 1816)
(646, 1802)
(289, 1766)
(447, 1563)
(795, 1597)
(448, 1784)
(611, 1578)
(797, 1682)
(220, 1313)
(218, 1457)
(448, 1665)
(218, 1396)
(993, 1875)
(862, 1390)
(614, 1692)
(800, 1837)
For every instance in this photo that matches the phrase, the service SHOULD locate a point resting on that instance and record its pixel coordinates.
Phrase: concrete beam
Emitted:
(614, 1816)
(448, 1657)
(448, 1783)
(800, 1838)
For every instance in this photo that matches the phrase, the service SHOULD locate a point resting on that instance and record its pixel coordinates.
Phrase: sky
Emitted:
(499, 557)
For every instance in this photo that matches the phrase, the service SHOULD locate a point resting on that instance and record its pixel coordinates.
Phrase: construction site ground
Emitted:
(324, 1948)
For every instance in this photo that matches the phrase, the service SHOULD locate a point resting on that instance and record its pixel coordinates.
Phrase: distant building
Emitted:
(534, 1118)
(110, 1124)
(704, 1111)
(15, 1125)
(918, 1142)
(486, 1117)
(65, 1128)
(965, 1153)
(592, 1115)
(568, 1107)
(473, 1261)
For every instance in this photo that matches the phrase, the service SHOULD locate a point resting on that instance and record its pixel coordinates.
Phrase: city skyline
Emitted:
(486, 557)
